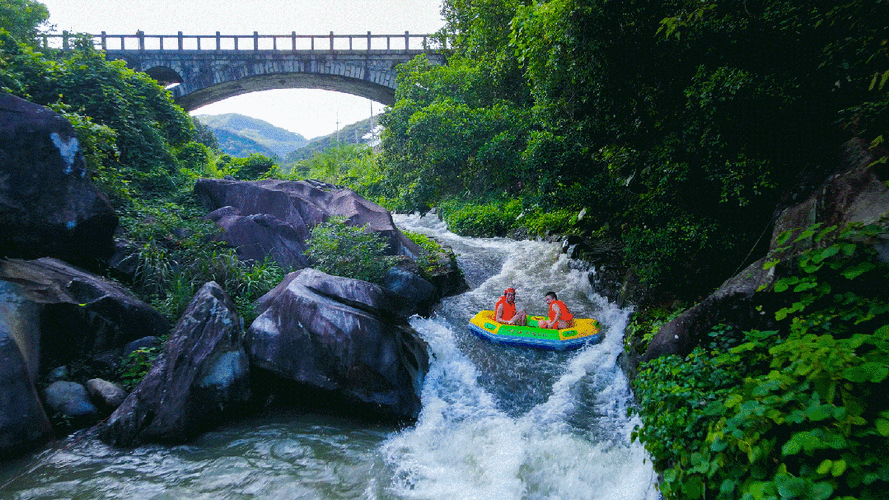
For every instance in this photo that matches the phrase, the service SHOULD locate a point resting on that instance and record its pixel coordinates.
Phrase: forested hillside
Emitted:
(241, 136)
(677, 127)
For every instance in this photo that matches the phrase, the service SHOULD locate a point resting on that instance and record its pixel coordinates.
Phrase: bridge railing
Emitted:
(255, 42)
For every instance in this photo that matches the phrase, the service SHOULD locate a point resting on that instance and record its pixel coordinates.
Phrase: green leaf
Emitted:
(821, 491)
(808, 233)
(883, 427)
(819, 412)
(693, 487)
(858, 269)
(839, 467)
(783, 237)
(826, 466)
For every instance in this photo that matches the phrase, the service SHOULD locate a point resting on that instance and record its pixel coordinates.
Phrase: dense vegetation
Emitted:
(678, 126)
(795, 412)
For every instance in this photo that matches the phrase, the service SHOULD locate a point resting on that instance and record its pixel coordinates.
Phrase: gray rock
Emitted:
(23, 422)
(258, 236)
(71, 400)
(56, 374)
(200, 379)
(108, 395)
(410, 286)
(79, 314)
(48, 205)
(342, 336)
(301, 205)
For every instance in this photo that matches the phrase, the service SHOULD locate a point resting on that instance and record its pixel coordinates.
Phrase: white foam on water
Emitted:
(466, 446)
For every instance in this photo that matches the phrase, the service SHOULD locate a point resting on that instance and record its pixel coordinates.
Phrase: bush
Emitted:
(347, 251)
(481, 220)
(796, 412)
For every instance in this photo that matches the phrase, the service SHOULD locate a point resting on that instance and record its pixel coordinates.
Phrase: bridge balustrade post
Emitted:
(331, 40)
(64, 40)
(407, 40)
(293, 40)
(255, 41)
(350, 42)
(141, 36)
(179, 36)
(368, 40)
(104, 42)
(218, 41)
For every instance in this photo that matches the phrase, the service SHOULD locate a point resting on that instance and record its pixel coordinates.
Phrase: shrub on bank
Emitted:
(796, 412)
(494, 218)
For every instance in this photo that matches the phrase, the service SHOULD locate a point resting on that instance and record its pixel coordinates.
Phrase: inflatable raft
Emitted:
(585, 331)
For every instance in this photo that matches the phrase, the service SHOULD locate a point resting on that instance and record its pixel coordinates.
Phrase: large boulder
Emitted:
(72, 401)
(258, 236)
(23, 422)
(48, 205)
(199, 379)
(77, 314)
(302, 205)
(856, 193)
(344, 337)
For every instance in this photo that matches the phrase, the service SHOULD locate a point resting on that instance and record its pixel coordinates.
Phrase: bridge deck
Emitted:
(255, 42)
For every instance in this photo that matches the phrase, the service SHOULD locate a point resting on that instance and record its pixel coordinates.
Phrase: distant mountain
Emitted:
(241, 136)
(356, 133)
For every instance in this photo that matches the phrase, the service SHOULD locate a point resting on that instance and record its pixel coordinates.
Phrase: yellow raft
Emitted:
(585, 331)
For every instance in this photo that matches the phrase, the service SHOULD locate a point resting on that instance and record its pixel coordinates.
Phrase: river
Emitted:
(497, 422)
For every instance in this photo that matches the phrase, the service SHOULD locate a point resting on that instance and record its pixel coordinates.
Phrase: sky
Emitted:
(309, 112)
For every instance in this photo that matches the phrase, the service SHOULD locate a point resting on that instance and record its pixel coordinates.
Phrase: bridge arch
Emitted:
(164, 75)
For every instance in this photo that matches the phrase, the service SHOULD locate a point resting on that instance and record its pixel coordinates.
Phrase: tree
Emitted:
(23, 18)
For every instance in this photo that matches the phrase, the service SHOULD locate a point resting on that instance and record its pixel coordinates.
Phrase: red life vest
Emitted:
(508, 309)
(566, 314)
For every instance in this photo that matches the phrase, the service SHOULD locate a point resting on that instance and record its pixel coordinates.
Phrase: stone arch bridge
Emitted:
(202, 69)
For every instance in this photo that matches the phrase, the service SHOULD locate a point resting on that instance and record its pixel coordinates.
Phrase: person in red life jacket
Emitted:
(505, 311)
(559, 315)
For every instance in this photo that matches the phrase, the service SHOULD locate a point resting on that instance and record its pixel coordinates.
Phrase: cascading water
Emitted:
(497, 422)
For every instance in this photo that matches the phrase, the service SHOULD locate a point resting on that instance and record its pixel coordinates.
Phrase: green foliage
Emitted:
(253, 167)
(132, 127)
(23, 18)
(425, 242)
(352, 165)
(135, 366)
(352, 252)
(434, 259)
(538, 222)
(449, 133)
(796, 412)
(175, 254)
(662, 118)
(495, 218)
(204, 135)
